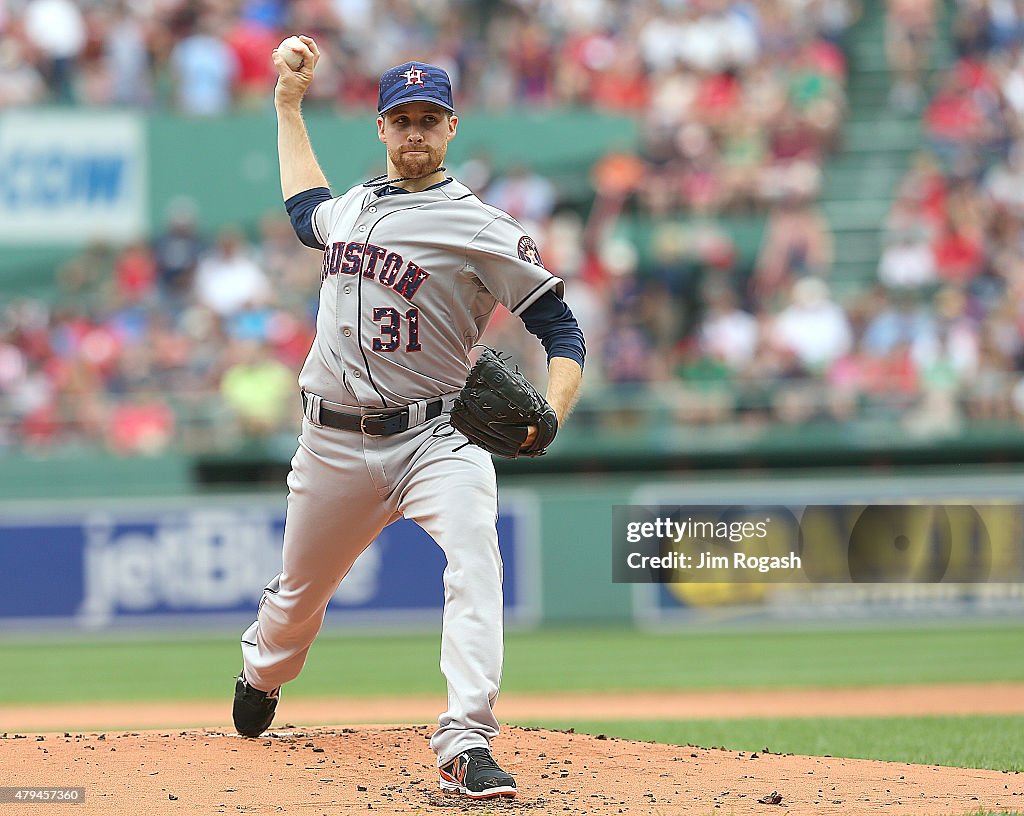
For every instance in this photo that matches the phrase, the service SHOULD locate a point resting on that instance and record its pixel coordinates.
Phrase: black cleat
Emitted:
(253, 711)
(475, 773)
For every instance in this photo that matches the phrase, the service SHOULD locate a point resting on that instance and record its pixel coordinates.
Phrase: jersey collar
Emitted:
(387, 189)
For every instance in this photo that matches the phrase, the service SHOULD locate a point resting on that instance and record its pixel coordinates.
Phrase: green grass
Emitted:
(49, 670)
(965, 742)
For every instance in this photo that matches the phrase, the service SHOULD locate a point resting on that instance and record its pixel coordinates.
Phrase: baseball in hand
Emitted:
(291, 50)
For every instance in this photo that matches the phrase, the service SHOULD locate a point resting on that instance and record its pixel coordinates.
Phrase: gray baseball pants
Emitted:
(344, 488)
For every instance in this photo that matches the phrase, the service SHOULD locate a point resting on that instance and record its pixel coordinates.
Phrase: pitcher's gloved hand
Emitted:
(496, 408)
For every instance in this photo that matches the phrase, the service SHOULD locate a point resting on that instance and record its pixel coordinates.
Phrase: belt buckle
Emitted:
(362, 423)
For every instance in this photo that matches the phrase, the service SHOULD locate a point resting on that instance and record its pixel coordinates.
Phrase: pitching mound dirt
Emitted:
(390, 770)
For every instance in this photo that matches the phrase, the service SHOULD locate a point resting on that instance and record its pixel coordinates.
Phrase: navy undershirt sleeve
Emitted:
(552, 322)
(300, 209)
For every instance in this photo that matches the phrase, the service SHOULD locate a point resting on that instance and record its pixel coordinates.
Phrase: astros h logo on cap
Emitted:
(415, 82)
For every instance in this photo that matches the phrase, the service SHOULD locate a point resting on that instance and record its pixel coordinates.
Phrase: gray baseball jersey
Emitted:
(409, 282)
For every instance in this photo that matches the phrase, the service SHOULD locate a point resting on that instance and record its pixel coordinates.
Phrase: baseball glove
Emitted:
(497, 406)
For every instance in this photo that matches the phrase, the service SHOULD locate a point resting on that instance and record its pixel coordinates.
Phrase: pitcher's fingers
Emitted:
(311, 45)
(282, 67)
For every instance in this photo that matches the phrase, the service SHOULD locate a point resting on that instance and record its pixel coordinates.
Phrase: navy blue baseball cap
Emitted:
(414, 82)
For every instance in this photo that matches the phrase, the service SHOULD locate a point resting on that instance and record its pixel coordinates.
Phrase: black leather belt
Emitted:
(386, 424)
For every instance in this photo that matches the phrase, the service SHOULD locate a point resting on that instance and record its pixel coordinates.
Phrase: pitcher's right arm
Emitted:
(299, 168)
(303, 184)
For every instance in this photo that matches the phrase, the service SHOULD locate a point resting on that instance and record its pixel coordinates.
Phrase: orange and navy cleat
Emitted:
(475, 774)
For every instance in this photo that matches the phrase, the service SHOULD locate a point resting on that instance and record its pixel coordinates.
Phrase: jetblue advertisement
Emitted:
(176, 562)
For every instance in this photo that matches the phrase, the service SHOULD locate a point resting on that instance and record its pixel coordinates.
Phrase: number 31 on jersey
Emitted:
(390, 320)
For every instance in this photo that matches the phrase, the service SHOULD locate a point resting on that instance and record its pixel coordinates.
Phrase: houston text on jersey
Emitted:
(348, 259)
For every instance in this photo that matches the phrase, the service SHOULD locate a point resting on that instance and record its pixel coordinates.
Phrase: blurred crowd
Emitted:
(207, 56)
(738, 102)
(738, 99)
(180, 340)
(934, 342)
(197, 338)
(953, 262)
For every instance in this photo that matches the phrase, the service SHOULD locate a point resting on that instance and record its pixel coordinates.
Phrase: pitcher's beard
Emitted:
(417, 165)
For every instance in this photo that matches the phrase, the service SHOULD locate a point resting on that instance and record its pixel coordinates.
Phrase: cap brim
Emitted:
(407, 99)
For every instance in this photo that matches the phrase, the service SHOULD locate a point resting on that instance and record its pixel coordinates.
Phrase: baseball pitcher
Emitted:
(414, 265)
